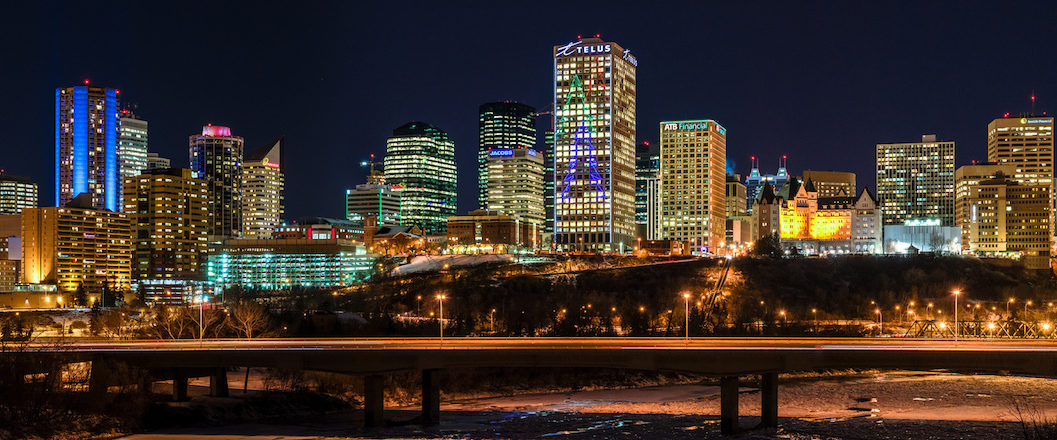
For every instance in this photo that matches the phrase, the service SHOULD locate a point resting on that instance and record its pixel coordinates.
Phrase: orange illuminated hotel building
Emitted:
(594, 146)
(693, 183)
(77, 245)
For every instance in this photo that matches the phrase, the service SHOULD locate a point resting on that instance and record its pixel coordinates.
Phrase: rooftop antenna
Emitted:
(1033, 102)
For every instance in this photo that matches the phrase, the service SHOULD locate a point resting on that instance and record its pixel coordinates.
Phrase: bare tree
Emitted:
(171, 322)
(249, 319)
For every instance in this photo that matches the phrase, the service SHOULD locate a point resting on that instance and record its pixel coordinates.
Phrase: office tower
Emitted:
(1027, 142)
(501, 126)
(169, 215)
(1007, 218)
(216, 157)
(755, 181)
(515, 184)
(594, 139)
(77, 247)
(832, 183)
(263, 190)
(16, 193)
(420, 161)
(156, 162)
(653, 209)
(735, 196)
(966, 178)
(131, 144)
(86, 151)
(647, 165)
(548, 182)
(693, 183)
(371, 199)
(915, 181)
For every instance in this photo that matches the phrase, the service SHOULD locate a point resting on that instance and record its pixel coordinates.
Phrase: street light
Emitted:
(491, 320)
(1011, 300)
(929, 309)
(956, 293)
(1025, 305)
(814, 316)
(440, 300)
(686, 299)
(880, 322)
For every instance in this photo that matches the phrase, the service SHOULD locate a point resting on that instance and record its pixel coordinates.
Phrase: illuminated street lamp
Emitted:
(686, 299)
(491, 320)
(880, 322)
(782, 314)
(929, 310)
(1026, 304)
(956, 293)
(814, 317)
(1011, 300)
(440, 301)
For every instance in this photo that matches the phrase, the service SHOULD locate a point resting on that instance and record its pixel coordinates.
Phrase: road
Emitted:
(667, 344)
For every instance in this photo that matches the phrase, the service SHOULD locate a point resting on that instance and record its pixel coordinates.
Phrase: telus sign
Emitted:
(579, 48)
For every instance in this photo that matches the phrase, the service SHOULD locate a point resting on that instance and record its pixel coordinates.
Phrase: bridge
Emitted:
(726, 358)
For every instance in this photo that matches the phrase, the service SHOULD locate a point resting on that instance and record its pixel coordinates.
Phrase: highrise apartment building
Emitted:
(501, 126)
(965, 179)
(86, 145)
(77, 247)
(420, 163)
(263, 190)
(16, 194)
(1007, 218)
(515, 184)
(693, 183)
(594, 146)
(216, 157)
(915, 181)
(169, 215)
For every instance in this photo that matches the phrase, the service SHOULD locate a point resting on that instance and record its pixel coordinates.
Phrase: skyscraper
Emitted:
(594, 146)
(966, 178)
(915, 181)
(1026, 142)
(169, 215)
(216, 156)
(263, 190)
(505, 126)
(515, 184)
(693, 183)
(548, 181)
(420, 162)
(132, 144)
(86, 151)
(755, 181)
(16, 194)
(647, 165)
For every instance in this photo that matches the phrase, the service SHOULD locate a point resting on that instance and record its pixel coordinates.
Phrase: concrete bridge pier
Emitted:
(373, 401)
(218, 382)
(179, 385)
(769, 400)
(430, 397)
(728, 405)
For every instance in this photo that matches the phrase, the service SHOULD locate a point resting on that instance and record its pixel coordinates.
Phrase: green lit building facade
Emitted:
(420, 164)
(501, 126)
(286, 263)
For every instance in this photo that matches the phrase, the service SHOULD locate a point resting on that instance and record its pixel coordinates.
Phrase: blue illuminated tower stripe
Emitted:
(58, 151)
(111, 185)
(79, 161)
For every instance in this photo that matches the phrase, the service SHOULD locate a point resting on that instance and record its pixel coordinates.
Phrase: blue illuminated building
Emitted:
(86, 145)
(285, 263)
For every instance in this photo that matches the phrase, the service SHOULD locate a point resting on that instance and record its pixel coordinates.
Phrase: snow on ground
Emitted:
(434, 263)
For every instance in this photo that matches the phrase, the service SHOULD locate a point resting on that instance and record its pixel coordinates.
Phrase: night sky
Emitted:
(821, 82)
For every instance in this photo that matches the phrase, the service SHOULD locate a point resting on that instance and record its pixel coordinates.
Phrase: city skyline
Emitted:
(772, 88)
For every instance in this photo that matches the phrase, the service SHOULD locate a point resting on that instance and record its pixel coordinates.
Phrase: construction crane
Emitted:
(375, 177)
